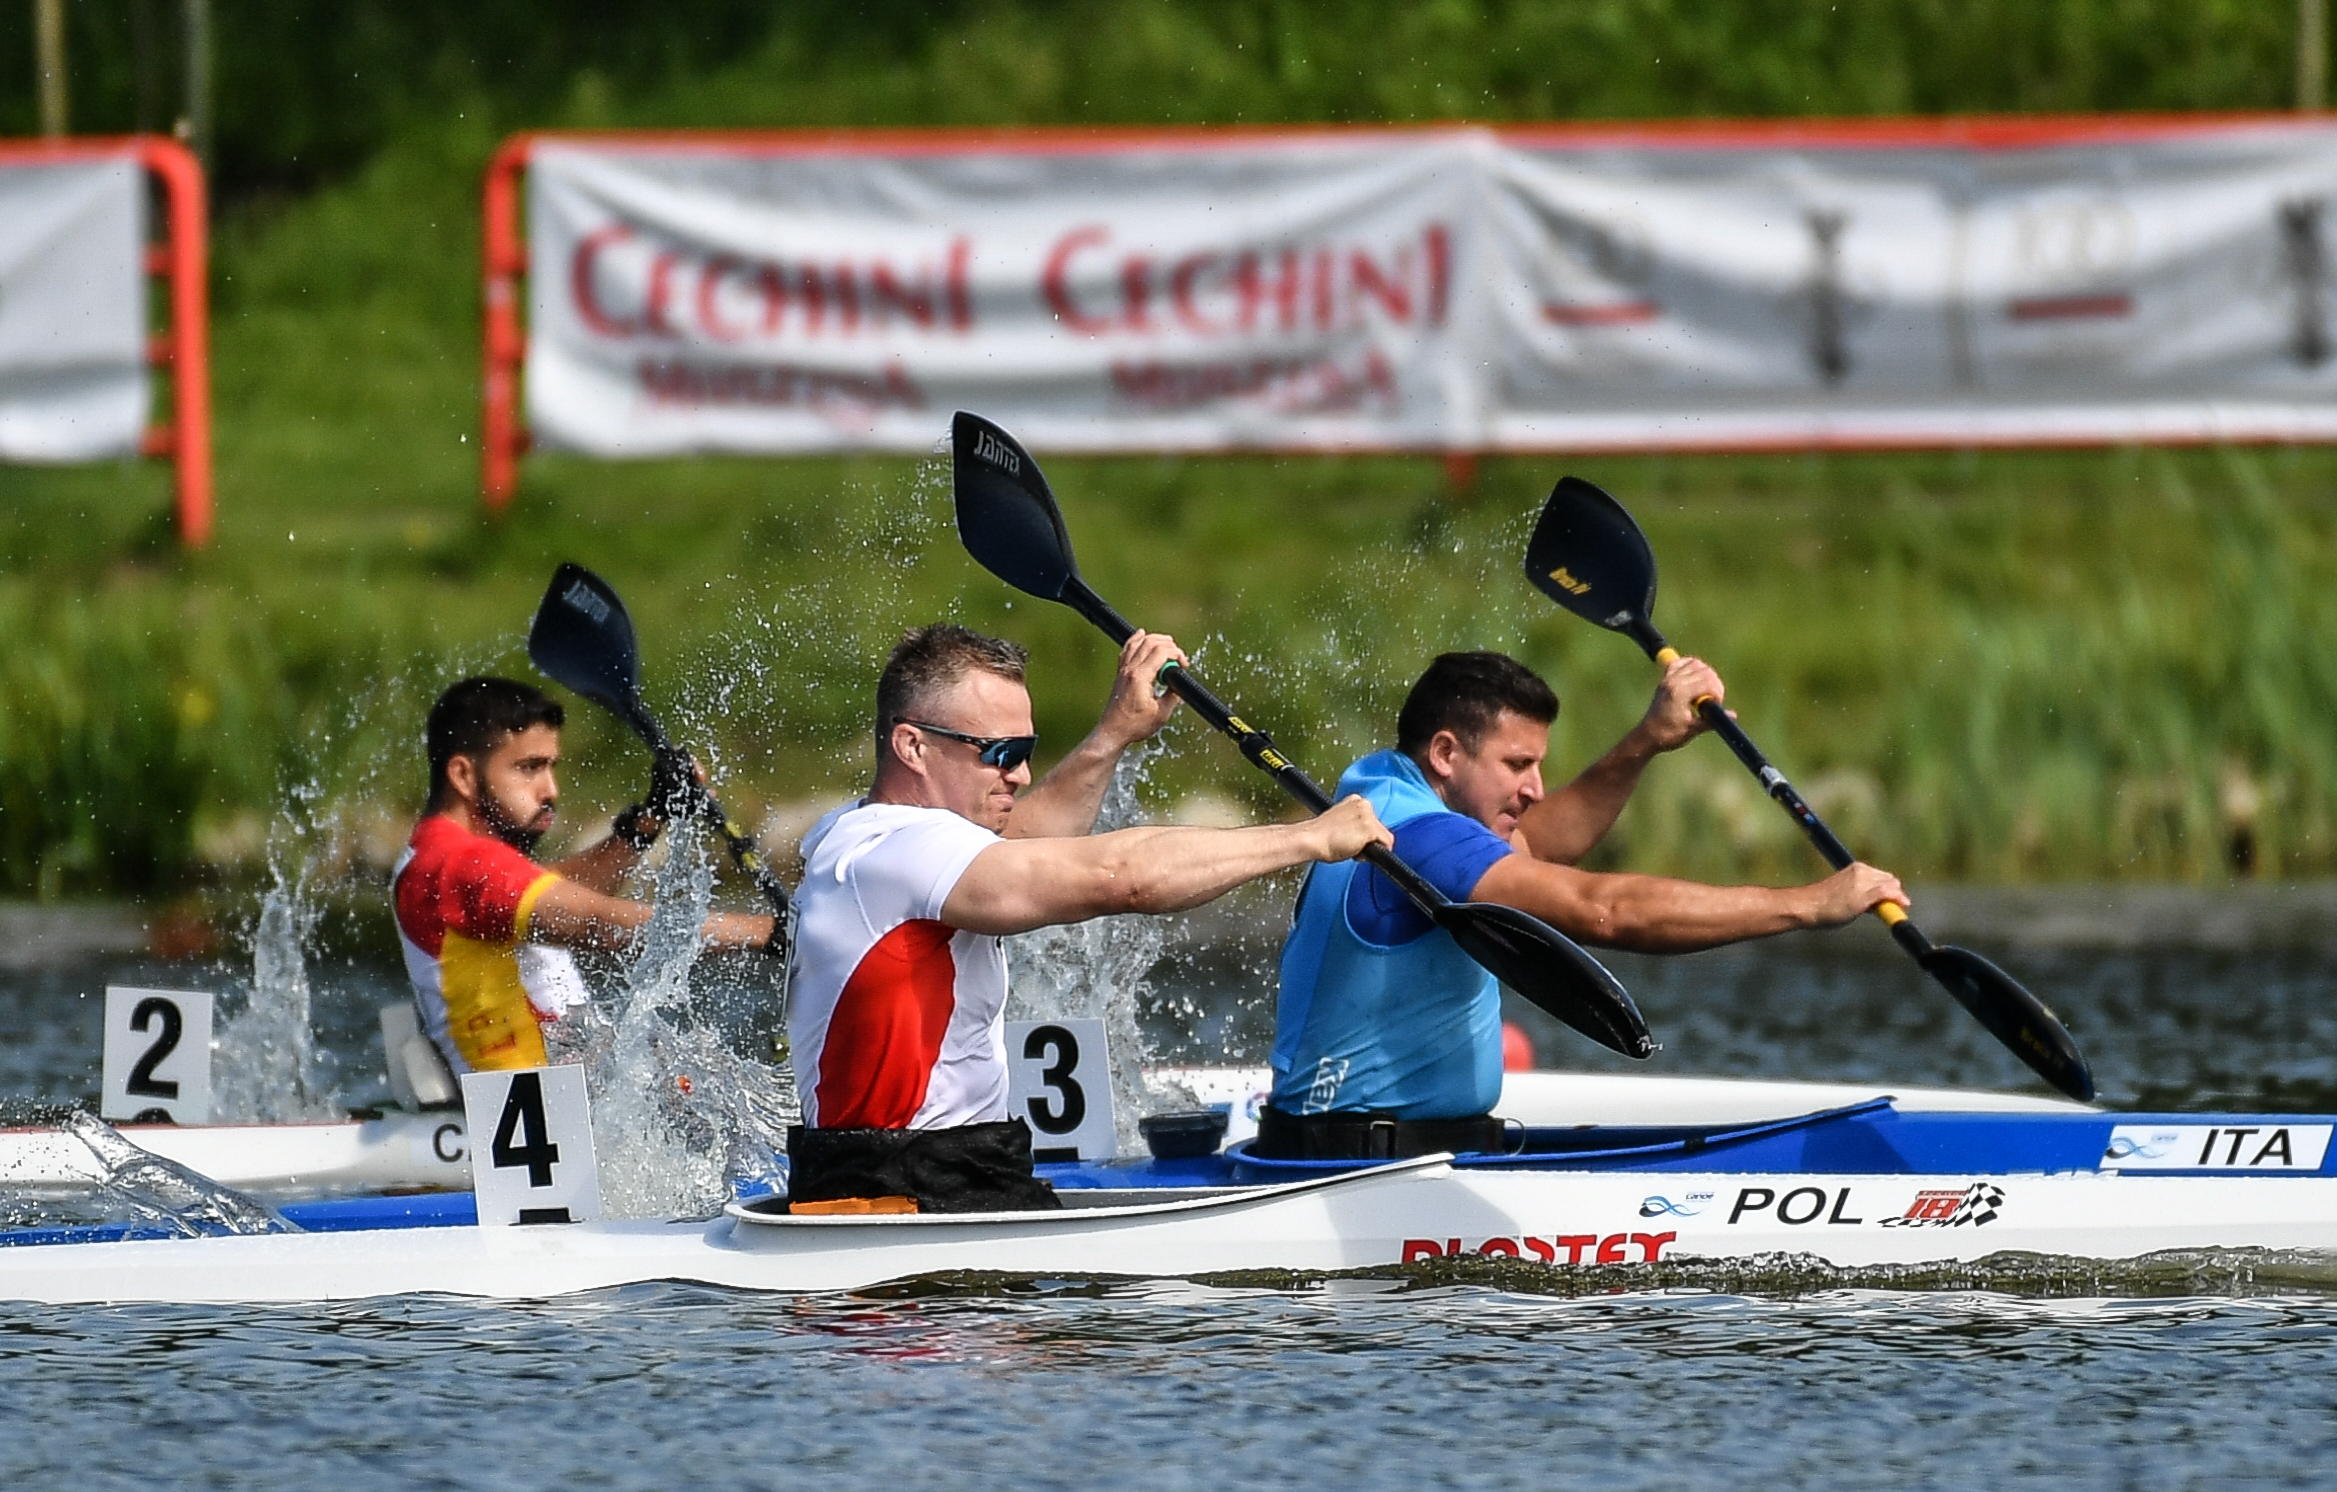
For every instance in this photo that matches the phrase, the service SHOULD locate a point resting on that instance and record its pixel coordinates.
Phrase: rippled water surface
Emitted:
(2219, 1371)
(1178, 1387)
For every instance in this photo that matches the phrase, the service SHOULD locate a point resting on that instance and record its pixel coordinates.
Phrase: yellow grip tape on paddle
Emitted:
(1667, 656)
(1891, 912)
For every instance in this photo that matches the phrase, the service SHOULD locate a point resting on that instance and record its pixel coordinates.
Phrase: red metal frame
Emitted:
(182, 259)
(504, 244)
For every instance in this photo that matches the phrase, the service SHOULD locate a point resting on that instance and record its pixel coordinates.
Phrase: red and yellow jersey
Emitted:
(463, 904)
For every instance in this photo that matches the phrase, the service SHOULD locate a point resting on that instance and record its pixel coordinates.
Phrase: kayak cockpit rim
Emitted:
(1088, 1204)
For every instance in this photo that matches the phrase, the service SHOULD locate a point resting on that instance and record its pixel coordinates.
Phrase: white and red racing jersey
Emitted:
(463, 902)
(895, 1019)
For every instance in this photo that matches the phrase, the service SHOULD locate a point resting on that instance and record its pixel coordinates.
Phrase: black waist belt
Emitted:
(966, 1168)
(1359, 1136)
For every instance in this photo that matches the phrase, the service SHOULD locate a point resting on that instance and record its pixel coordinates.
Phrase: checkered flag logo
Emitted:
(1982, 1201)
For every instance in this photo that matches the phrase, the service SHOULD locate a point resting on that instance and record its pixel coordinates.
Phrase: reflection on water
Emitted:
(1183, 1386)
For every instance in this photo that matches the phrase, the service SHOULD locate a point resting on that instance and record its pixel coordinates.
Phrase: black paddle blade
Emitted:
(2014, 1016)
(1590, 557)
(1549, 970)
(582, 638)
(1007, 517)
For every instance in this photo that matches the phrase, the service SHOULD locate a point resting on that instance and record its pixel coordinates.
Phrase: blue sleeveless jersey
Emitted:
(1390, 1016)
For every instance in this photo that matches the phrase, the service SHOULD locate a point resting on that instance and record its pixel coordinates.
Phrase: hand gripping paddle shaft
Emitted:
(1589, 556)
(582, 637)
(1009, 521)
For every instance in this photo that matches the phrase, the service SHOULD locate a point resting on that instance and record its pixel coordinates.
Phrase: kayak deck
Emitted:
(1711, 1170)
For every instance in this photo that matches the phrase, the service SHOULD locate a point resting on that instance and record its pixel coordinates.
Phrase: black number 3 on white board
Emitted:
(1060, 1050)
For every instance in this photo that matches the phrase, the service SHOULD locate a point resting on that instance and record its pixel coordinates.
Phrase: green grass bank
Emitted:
(1987, 667)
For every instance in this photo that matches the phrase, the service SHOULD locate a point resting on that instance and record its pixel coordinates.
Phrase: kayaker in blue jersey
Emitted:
(1388, 1036)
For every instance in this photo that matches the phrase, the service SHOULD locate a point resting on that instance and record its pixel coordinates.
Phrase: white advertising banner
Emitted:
(1717, 287)
(73, 378)
(1178, 295)
(2046, 284)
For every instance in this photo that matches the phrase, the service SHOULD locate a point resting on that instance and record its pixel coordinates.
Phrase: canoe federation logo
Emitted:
(1976, 1206)
(1663, 1206)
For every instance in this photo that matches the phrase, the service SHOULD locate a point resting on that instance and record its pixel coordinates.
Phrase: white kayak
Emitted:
(395, 1151)
(401, 1150)
(1870, 1182)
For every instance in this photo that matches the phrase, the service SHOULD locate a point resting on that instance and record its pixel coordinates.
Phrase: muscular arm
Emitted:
(1019, 884)
(1654, 914)
(601, 868)
(604, 866)
(1067, 800)
(1563, 827)
(571, 915)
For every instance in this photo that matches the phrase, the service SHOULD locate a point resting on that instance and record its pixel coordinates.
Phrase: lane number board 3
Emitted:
(531, 1146)
(1059, 1082)
(157, 1062)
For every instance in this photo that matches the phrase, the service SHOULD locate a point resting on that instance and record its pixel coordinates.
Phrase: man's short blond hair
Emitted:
(929, 661)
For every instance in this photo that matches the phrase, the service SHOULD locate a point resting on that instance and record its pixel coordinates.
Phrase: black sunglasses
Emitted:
(1003, 752)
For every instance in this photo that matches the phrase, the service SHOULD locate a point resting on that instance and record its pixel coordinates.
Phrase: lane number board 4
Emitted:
(157, 1056)
(1059, 1082)
(2256, 1146)
(531, 1146)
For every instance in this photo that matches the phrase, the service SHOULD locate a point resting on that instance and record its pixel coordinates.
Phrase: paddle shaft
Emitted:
(1907, 934)
(736, 839)
(1254, 743)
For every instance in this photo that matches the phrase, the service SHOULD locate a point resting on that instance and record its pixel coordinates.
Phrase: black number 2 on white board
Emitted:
(143, 1083)
(1057, 1043)
(523, 1122)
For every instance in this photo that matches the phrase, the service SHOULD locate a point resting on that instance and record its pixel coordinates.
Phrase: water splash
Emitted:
(266, 1067)
(1102, 968)
(678, 1117)
(128, 1182)
(330, 843)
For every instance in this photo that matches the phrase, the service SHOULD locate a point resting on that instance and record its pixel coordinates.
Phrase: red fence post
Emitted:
(503, 345)
(189, 338)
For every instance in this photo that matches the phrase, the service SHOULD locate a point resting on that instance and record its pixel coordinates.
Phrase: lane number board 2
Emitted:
(2260, 1145)
(1059, 1082)
(531, 1146)
(157, 1062)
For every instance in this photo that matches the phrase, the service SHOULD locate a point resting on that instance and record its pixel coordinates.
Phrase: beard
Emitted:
(505, 826)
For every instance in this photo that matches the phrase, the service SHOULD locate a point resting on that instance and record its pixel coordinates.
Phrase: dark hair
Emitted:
(930, 659)
(475, 716)
(1464, 693)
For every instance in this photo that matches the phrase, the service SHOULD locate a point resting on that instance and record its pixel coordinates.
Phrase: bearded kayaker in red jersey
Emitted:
(485, 929)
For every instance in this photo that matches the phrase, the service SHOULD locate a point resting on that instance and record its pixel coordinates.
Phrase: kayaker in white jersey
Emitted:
(1387, 1036)
(484, 928)
(896, 1003)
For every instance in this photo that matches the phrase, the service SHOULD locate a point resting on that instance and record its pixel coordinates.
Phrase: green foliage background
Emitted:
(2002, 666)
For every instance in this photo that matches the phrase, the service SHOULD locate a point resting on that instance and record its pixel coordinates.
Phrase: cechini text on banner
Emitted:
(1904, 282)
(1303, 293)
